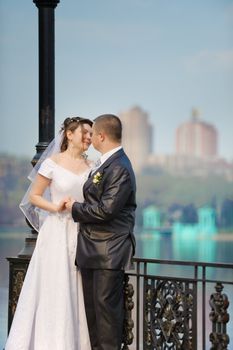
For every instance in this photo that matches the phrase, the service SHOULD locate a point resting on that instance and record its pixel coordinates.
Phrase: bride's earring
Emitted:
(71, 144)
(69, 139)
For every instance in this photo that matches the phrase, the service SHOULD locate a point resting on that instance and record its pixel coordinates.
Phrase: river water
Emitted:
(213, 248)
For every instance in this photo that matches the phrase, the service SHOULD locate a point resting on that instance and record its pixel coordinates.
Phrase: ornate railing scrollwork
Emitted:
(17, 275)
(219, 318)
(128, 321)
(169, 310)
(18, 278)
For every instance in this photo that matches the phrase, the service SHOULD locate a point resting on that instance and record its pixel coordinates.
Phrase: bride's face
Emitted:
(81, 137)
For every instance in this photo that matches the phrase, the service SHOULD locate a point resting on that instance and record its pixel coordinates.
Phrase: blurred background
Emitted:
(166, 68)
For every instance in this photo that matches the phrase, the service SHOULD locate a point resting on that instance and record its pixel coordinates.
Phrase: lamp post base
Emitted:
(18, 268)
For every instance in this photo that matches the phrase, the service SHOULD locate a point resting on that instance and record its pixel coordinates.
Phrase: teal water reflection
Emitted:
(150, 244)
(207, 248)
(200, 249)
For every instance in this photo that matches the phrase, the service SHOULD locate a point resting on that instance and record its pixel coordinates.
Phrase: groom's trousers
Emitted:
(104, 304)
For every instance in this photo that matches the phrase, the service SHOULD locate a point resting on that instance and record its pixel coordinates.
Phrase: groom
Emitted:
(106, 242)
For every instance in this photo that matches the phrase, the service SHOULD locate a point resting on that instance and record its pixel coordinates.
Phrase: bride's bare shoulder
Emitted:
(56, 157)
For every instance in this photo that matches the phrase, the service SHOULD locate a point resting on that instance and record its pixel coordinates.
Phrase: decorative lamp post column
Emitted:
(46, 74)
(19, 264)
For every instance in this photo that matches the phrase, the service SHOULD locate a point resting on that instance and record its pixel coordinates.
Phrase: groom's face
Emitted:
(96, 138)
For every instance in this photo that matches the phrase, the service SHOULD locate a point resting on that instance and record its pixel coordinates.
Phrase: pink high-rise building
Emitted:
(137, 136)
(196, 138)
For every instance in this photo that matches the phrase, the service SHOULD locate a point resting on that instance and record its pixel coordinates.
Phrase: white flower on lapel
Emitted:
(97, 178)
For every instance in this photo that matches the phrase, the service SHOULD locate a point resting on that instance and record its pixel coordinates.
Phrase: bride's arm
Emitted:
(36, 195)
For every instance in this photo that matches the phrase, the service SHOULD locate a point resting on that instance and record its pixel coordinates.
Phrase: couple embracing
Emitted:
(63, 306)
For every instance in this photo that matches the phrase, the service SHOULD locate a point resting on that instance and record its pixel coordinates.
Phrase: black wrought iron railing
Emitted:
(178, 305)
(169, 305)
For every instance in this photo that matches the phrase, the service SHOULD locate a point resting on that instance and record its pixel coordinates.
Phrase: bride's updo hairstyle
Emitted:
(71, 124)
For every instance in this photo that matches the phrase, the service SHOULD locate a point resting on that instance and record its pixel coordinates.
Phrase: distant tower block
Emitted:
(137, 136)
(196, 138)
(151, 218)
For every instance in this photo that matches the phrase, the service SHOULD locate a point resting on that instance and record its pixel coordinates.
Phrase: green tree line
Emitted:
(13, 184)
(165, 191)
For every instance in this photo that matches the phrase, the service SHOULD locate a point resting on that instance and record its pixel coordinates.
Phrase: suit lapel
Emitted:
(102, 167)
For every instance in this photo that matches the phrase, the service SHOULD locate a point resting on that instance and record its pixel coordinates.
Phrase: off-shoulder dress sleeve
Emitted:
(47, 168)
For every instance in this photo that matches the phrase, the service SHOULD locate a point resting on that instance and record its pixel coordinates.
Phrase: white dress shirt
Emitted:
(103, 158)
(108, 154)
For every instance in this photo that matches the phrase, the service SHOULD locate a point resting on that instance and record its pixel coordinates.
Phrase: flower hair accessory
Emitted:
(97, 178)
(76, 120)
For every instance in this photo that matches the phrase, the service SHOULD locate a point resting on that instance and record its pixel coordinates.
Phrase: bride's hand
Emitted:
(62, 205)
(69, 204)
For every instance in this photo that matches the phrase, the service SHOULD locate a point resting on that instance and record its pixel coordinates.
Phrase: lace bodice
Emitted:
(64, 182)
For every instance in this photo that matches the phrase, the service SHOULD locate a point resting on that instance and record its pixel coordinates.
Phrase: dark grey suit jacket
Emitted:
(107, 216)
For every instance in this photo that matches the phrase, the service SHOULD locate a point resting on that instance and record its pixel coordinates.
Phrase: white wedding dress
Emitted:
(50, 313)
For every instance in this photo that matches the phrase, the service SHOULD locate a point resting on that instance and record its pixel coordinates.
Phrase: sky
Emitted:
(166, 56)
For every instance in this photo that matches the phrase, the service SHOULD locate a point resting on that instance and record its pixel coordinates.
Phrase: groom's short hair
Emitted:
(111, 125)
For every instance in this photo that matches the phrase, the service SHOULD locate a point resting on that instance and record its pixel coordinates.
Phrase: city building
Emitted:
(137, 136)
(196, 138)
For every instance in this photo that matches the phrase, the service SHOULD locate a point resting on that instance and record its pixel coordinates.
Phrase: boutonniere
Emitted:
(97, 178)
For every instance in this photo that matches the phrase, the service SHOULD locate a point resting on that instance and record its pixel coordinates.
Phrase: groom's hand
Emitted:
(69, 203)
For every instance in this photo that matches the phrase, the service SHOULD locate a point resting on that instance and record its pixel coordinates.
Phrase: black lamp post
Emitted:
(19, 264)
(46, 74)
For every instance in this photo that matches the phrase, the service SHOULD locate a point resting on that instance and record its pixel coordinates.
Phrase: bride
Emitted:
(50, 313)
